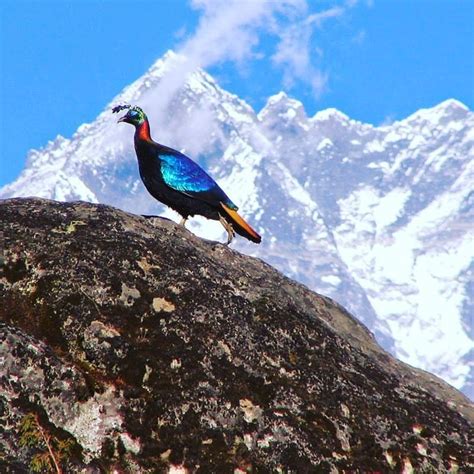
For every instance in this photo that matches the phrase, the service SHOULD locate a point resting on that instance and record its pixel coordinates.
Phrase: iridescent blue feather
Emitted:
(184, 175)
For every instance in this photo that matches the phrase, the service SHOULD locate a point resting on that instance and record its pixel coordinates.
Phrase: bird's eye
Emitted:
(133, 113)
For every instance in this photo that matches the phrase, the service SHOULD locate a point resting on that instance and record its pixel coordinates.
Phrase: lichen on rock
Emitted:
(152, 350)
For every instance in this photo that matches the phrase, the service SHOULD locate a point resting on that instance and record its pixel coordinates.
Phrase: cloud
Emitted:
(388, 120)
(293, 56)
(231, 31)
(235, 27)
(320, 17)
(294, 52)
(360, 37)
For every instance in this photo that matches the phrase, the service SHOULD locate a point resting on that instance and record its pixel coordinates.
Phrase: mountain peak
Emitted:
(165, 63)
(451, 104)
(283, 99)
(170, 54)
(449, 109)
(330, 114)
(284, 106)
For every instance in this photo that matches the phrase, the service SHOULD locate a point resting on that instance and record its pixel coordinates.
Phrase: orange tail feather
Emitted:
(242, 228)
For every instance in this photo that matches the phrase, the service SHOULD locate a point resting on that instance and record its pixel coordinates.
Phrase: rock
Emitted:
(132, 345)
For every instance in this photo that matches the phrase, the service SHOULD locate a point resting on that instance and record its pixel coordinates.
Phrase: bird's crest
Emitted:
(118, 108)
(132, 108)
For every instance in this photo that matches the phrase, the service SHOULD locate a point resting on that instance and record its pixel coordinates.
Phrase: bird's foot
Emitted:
(183, 221)
(230, 235)
(228, 227)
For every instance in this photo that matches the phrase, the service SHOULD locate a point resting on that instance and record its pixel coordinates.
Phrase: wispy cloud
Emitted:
(294, 53)
(360, 37)
(231, 31)
(388, 120)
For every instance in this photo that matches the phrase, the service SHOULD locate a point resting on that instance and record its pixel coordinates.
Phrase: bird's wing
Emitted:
(184, 175)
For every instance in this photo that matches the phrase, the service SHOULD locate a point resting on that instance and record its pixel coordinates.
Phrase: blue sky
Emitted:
(63, 61)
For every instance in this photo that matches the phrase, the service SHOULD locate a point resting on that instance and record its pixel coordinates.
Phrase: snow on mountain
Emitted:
(379, 218)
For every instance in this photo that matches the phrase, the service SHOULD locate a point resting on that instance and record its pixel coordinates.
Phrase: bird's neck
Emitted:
(142, 131)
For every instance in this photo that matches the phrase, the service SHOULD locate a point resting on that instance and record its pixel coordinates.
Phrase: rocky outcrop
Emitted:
(130, 344)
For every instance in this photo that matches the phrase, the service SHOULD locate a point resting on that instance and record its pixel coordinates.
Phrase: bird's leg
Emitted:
(183, 221)
(228, 227)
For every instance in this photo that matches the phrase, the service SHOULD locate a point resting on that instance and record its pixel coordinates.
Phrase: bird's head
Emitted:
(134, 115)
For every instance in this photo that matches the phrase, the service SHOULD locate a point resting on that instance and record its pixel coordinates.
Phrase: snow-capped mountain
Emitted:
(379, 218)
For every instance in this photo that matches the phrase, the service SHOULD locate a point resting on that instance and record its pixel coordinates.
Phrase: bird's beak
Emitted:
(122, 119)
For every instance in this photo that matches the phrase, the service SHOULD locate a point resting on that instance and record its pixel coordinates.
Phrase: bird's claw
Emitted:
(228, 227)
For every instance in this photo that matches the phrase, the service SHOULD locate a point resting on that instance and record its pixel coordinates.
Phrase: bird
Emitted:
(177, 181)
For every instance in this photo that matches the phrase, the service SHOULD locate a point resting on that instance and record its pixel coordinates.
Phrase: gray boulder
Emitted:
(128, 343)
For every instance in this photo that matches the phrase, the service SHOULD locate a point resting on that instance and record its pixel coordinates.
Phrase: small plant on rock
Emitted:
(50, 450)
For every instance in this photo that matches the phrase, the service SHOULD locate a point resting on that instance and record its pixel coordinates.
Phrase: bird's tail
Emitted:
(239, 225)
